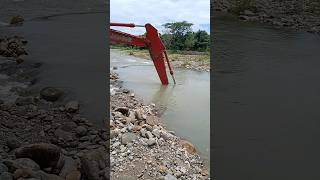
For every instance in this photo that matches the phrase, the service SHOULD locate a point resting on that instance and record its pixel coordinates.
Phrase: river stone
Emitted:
(81, 131)
(6, 176)
(13, 143)
(128, 137)
(156, 132)
(46, 155)
(72, 106)
(93, 162)
(50, 93)
(149, 134)
(188, 146)
(151, 141)
(143, 132)
(61, 134)
(152, 120)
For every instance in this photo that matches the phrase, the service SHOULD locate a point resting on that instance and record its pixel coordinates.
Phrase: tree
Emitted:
(178, 32)
(201, 41)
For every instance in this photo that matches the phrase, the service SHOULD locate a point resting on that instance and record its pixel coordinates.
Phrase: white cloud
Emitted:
(160, 12)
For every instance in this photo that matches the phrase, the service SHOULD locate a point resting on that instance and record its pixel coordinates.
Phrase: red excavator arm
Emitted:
(152, 41)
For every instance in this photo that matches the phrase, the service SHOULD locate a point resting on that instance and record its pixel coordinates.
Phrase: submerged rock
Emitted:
(16, 20)
(50, 94)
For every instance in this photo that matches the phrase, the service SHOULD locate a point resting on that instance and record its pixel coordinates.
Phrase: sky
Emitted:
(159, 12)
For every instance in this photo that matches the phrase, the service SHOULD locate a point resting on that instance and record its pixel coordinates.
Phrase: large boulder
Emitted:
(46, 155)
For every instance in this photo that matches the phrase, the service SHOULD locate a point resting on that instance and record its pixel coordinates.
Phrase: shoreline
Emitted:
(138, 137)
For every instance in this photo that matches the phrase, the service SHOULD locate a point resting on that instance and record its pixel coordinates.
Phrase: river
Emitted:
(187, 104)
(266, 102)
(73, 51)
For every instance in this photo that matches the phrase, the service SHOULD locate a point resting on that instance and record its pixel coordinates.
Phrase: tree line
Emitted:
(178, 36)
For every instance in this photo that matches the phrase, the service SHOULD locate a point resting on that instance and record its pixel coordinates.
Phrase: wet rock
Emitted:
(81, 131)
(123, 110)
(6, 176)
(92, 162)
(152, 120)
(50, 93)
(188, 146)
(70, 165)
(46, 155)
(128, 137)
(21, 163)
(72, 106)
(16, 20)
(12, 143)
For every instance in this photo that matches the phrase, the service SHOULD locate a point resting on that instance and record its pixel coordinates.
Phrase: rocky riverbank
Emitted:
(294, 14)
(40, 137)
(141, 147)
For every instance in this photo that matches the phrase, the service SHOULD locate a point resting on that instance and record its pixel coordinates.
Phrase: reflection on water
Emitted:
(187, 103)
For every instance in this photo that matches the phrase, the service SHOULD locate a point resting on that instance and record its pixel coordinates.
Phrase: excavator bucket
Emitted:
(156, 49)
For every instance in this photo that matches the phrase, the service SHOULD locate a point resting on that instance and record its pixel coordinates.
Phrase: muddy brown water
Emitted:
(73, 51)
(187, 103)
(266, 102)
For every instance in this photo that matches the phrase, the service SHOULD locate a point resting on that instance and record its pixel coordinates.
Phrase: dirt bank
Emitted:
(294, 14)
(141, 147)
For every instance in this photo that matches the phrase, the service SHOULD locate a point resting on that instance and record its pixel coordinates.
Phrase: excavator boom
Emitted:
(152, 41)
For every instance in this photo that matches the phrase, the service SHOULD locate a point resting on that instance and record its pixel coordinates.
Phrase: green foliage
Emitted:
(179, 36)
(201, 41)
